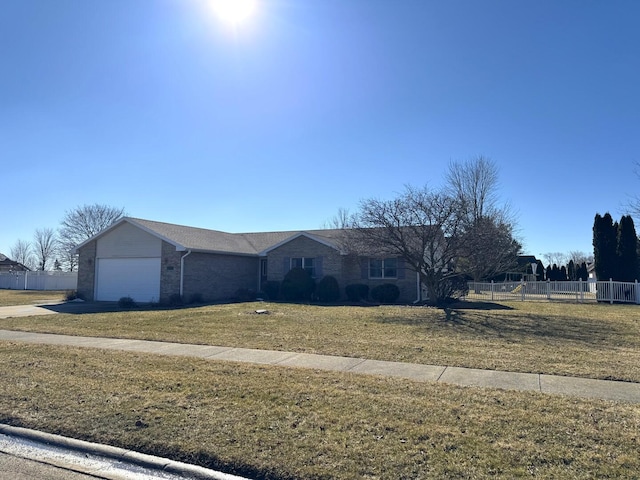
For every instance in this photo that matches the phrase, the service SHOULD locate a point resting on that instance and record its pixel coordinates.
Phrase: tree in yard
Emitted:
(571, 270)
(627, 250)
(44, 246)
(82, 223)
(487, 242)
(420, 226)
(22, 252)
(540, 271)
(604, 247)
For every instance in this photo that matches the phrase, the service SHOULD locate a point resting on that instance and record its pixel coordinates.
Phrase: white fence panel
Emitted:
(580, 291)
(39, 280)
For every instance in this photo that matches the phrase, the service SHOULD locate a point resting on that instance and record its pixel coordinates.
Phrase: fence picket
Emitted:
(39, 280)
(576, 291)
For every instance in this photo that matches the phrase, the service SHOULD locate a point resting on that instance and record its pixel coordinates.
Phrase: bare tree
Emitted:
(340, 220)
(22, 252)
(421, 227)
(632, 207)
(81, 224)
(556, 258)
(488, 244)
(580, 257)
(44, 246)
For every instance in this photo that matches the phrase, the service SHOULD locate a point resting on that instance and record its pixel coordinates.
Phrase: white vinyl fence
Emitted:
(579, 291)
(39, 280)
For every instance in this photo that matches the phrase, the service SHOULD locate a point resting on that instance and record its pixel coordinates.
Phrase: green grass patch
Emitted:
(585, 340)
(278, 423)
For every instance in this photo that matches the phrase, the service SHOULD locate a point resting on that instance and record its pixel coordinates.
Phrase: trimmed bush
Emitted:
(272, 289)
(385, 293)
(126, 302)
(328, 289)
(297, 285)
(357, 291)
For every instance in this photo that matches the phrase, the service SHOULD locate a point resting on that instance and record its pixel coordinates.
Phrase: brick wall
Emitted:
(219, 277)
(87, 271)
(169, 272)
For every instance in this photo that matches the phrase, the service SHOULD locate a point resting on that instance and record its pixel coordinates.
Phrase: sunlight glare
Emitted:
(234, 12)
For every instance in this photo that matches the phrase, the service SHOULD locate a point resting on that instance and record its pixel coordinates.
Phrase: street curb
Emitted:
(116, 453)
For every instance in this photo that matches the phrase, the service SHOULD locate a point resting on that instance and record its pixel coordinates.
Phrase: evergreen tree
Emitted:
(540, 271)
(582, 272)
(563, 274)
(571, 271)
(548, 273)
(604, 247)
(627, 250)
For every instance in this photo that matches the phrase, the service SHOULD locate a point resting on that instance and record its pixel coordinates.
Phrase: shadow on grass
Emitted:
(475, 320)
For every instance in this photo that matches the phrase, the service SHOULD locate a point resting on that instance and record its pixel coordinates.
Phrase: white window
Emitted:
(263, 267)
(383, 268)
(304, 262)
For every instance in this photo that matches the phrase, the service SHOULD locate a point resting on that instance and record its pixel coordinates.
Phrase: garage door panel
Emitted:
(138, 278)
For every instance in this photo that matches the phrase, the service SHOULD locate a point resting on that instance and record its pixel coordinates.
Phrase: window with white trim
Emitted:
(383, 267)
(307, 263)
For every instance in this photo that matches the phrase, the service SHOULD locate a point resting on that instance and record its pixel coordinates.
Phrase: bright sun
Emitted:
(234, 12)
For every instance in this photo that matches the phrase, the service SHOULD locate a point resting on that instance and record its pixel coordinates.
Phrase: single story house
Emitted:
(8, 265)
(152, 261)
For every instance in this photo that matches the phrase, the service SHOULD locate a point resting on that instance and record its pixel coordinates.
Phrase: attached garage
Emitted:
(138, 278)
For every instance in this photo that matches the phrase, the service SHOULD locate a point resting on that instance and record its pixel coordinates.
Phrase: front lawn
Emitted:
(29, 297)
(587, 340)
(271, 422)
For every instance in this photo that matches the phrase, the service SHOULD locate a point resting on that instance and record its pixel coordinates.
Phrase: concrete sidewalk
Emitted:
(550, 384)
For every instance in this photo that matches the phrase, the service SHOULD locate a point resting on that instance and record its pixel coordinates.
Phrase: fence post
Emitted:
(492, 290)
(637, 293)
(611, 291)
(581, 291)
(548, 289)
(522, 289)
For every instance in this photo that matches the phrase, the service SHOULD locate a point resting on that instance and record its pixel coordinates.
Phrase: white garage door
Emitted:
(138, 278)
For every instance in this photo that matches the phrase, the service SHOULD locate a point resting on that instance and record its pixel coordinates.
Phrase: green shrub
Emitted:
(126, 302)
(357, 291)
(297, 285)
(272, 290)
(385, 293)
(328, 289)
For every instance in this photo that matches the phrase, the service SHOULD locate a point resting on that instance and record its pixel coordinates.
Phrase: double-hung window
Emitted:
(383, 268)
(306, 263)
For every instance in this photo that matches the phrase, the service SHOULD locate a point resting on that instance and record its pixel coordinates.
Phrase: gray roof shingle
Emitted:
(201, 239)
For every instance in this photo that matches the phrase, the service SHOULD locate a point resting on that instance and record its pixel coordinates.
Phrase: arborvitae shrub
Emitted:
(385, 293)
(328, 289)
(297, 285)
(357, 291)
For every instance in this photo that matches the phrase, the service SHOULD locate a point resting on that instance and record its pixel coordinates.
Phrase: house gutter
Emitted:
(182, 271)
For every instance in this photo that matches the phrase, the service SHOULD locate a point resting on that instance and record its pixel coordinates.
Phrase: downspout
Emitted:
(182, 271)
(418, 289)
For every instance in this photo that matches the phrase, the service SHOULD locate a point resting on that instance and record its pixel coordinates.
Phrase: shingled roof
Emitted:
(215, 241)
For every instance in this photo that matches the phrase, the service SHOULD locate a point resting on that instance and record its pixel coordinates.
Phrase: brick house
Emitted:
(152, 261)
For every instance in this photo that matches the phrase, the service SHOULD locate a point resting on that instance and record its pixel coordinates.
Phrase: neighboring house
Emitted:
(154, 261)
(8, 265)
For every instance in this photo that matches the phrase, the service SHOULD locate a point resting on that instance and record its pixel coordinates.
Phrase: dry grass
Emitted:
(277, 423)
(29, 297)
(589, 340)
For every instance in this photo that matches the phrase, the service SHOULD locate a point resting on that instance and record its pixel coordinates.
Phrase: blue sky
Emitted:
(159, 107)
